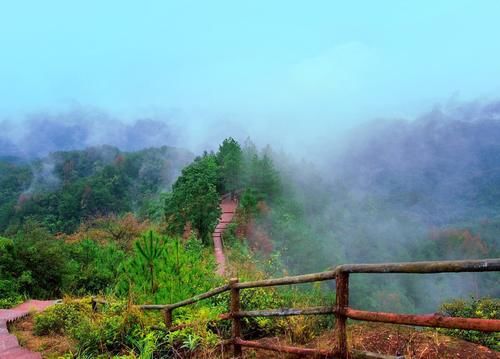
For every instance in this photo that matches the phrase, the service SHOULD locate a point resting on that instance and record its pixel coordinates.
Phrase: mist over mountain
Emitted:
(153, 151)
(395, 191)
(65, 188)
(441, 168)
(43, 133)
(400, 190)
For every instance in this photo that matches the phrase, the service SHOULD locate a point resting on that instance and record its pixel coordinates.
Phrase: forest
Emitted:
(136, 227)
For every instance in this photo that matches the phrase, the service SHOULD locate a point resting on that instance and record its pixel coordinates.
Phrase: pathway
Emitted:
(228, 208)
(9, 346)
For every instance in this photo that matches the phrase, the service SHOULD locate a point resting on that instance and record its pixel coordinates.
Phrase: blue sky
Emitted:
(312, 65)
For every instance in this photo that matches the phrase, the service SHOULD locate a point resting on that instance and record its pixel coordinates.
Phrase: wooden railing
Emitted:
(340, 309)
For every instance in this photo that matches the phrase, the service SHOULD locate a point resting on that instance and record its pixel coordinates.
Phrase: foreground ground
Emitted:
(392, 340)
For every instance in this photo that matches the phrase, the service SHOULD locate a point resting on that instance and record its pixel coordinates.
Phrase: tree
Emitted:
(42, 261)
(268, 178)
(121, 230)
(260, 173)
(181, 269)
(194, 198)
(150, 249)
(229, 159)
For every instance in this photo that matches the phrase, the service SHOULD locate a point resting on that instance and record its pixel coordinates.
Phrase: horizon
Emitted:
(312, 72)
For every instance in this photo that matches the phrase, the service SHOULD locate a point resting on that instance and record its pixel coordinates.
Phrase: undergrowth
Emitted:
(485, 308)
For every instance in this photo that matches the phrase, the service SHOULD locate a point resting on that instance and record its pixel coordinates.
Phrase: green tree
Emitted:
(229, 159)
(194, 198)
(42, 261)
(181, 269)
(260, 173)
(92, 267)
(268, 179)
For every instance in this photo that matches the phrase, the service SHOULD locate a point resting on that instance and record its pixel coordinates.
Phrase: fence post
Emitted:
(341, 303)
(236, 324)
(167, 317)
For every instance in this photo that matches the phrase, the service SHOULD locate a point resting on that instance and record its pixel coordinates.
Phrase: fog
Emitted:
(386, 121)
(379, 192)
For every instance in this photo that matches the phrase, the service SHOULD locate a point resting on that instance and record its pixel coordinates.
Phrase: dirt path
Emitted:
(387, 339)
(9, 346)
(228, 207)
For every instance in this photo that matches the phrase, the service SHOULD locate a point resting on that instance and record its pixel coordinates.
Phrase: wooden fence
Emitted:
(340, 309)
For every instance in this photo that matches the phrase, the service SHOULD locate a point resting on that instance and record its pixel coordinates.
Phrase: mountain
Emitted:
(65, 187)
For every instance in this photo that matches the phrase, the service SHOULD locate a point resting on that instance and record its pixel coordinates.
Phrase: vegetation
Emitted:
(485, 308)
(136, 228)
(194, 199)
(67, 188)
(162, 270)
(229, 160)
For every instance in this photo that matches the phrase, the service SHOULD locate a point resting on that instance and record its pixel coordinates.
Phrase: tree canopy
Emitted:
(229, 159)
(194, 198)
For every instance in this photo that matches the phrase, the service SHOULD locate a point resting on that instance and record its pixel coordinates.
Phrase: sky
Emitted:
(304, 68)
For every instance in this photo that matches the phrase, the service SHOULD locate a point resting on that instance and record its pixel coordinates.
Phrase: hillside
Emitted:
(399, 191)
(442, 171)
(138, 226)
(67, 187)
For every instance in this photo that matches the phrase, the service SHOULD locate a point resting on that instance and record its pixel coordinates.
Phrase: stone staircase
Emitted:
(228, 208)
(9, 346)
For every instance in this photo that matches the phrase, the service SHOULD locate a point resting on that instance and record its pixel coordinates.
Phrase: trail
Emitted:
(9, 346)
(228, 207)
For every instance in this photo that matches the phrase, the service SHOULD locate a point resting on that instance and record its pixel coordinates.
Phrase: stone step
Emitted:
(19, 353)
(9, 345)
(8, 341)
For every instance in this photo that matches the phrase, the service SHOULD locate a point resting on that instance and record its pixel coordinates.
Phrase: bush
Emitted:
(115, 329)
(260, 298)
(178, 270)
(10, 302)
(41, 260)
(486, 308)
(59, 319)
(93, 267)
(34, 264)
(9, 295)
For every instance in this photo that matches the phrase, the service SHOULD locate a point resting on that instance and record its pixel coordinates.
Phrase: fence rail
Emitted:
(340, 309)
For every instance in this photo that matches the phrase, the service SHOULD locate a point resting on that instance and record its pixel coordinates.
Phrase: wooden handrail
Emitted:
(305, 278)
(480, 265)
(341, 310)
(199, 297)
(427, 320)
(285, 312)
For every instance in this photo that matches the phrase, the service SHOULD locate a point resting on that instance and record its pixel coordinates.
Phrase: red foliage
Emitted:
(462, 240)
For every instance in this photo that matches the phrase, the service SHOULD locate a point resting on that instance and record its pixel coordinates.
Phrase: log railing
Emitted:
(341, 309)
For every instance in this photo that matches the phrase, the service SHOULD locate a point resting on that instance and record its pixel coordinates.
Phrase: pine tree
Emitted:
(229, 159)
(150, 249)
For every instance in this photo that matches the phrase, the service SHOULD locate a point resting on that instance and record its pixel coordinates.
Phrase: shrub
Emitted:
(59, 319)
(8, 293)
(10, 302)
(486, 308)
(180, 270)
(115, 329)
(92, 267)
(260, 298)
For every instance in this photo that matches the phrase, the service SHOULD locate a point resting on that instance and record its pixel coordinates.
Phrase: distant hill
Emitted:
(442, 171)
(66, 187)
